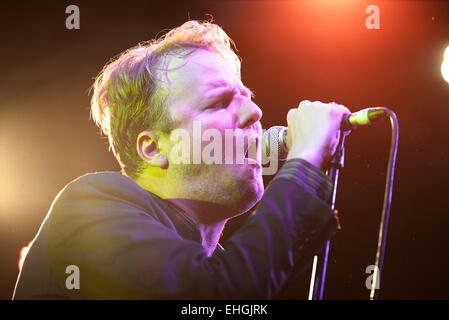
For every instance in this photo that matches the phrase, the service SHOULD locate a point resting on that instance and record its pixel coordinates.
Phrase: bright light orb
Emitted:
(446, 53)
(445, 65)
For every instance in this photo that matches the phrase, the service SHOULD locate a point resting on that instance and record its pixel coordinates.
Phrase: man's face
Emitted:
(208, 99)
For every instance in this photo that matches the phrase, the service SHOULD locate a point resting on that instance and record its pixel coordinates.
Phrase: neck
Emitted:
(211, 219)
(210, 235)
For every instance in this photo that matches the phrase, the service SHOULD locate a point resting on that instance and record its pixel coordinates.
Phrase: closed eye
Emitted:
(223, 102)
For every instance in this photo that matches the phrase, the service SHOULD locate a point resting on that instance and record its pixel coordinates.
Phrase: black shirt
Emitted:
(128, 243)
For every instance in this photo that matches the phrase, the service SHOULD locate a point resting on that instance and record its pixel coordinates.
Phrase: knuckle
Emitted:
(317, 104)
(290, 114)
(341, 108)
(304, 103)
(346, 110)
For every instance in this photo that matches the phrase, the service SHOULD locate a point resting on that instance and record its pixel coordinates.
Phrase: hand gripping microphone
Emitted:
(275, 139)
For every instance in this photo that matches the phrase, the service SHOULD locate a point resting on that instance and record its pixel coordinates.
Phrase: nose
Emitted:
(248, 114)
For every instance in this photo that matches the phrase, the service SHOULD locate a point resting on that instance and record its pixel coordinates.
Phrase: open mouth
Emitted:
(251, 151)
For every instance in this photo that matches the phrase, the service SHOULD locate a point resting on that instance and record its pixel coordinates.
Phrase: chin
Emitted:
(250, 194)
(238, 188)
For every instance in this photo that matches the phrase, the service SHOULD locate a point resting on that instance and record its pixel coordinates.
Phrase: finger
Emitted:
(344, 109)
(337, 136)
(291, 114)
(335, 141)
(304, 103)
(340, 107)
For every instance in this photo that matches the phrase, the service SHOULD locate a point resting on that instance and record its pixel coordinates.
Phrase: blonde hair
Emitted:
(128, 97)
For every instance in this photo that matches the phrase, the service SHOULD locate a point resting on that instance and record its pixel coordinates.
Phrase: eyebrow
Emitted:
(241, 88)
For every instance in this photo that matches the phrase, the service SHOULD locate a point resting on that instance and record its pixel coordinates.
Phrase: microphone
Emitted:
(361, 118)
(274, 140)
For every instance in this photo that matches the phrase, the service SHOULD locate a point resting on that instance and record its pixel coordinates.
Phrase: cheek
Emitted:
(216, 135)
(202, 141)
(215, 119)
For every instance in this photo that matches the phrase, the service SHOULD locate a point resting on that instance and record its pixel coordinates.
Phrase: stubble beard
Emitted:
(221, 184)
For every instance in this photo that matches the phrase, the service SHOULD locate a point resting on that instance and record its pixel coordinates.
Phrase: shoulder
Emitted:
(104, 187)
(107, 182)
(101, 194)
(100, 201)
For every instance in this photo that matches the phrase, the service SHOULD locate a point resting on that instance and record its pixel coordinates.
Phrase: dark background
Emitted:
(292, 51)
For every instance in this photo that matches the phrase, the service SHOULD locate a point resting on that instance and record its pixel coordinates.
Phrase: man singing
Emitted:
(153, 230)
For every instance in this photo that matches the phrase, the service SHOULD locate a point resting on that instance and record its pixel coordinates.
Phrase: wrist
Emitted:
(310, 157)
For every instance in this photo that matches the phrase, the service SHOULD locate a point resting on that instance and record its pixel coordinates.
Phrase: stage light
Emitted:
(445, 65)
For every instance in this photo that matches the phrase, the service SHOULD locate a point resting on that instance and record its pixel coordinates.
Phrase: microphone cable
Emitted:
(381, 243)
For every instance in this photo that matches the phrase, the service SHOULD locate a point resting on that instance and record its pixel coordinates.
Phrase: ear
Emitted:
(147, 148)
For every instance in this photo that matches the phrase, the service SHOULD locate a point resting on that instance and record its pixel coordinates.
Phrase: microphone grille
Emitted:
(274, 143)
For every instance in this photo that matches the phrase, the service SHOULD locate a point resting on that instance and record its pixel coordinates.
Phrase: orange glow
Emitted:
(23, 254)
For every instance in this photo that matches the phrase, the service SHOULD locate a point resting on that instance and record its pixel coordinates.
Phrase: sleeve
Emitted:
(308, 177)
(125, 254)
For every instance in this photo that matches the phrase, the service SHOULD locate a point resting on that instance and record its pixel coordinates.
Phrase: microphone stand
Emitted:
(320, 262)
(337, 162)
